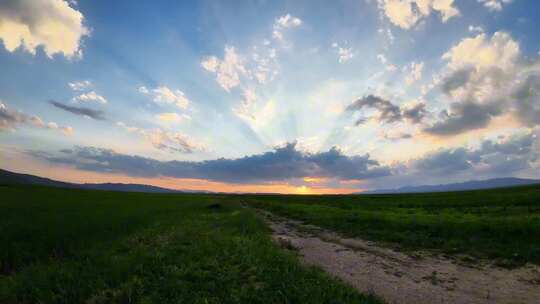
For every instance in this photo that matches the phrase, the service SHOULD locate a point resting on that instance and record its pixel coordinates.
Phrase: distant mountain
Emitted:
(8, 177)
(469, 185)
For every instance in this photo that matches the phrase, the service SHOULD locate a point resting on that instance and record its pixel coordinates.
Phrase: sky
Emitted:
(301, 97)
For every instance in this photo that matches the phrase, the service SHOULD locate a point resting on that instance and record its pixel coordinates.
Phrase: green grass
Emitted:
(501, 224)
(74, 246)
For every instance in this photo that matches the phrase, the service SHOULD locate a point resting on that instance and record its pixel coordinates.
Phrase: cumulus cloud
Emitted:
(174, 142)
(10, 119)
(163, 94)
(482, 52)
(91, 96)
(387, 111)
(495, 5)
(282, 23)
(407, 13)
(493, 157)
(52, 24)
(485, 78)
(282, 164)
(87, 112)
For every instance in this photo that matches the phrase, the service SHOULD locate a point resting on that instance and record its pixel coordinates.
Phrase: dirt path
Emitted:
(400, 278)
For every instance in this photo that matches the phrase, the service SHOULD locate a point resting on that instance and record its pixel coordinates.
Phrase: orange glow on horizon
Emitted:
(24, 164)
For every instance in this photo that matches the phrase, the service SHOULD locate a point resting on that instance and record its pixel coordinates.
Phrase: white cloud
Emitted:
(414, 72)
(487, 77)
(165, 140)
(344, 54)
(282, 23)
(495, 5)
(228, 70)
(89, 97)
(80, 85)
(52, 24)
(481, 52)
(407, 13)
(478, 29)
(163, 94)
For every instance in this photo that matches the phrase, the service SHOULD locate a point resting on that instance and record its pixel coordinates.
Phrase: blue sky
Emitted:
(281, 96)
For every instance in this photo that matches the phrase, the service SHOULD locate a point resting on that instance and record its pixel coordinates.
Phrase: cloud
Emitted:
(414, 72)
(80, 85)
(457, 79)
(505, 156)
(282, 164)
(168, 141)
(482, 52)
(389, 66)
(172, 117)
(396, 135)
(11, 119)
(478, 29)
(344, 54)
(464, 116)
(52, 24)
(485, 78)
(388, 112)
(89, 97)
(247, 106)
(415, 112)
(94, 114)
(282, 23)
(228, 70)
(495, 5)
(407, 13)
(527, 97)
(163, 94)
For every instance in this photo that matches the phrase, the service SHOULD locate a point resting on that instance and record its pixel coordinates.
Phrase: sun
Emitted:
(303, 190)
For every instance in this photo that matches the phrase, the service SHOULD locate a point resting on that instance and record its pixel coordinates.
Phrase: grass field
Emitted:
(74, 246)
(501, 224)
(78, 246)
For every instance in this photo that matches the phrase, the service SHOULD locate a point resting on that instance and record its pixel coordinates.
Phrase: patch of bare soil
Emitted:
(405, 278)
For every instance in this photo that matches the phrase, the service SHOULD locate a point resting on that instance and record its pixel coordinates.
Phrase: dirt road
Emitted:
(401, 278)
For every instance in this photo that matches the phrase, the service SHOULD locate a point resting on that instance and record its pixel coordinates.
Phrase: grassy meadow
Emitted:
(83, 246)
(77, 246)
(499, 224)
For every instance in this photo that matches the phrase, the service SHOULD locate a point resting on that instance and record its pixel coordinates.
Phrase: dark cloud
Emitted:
(527, 99)
(464, 116)
(504, 157)
(281, 164)
(415, 113)
(397, 136)
(388, 112)
(94, 114)
(456, 80)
